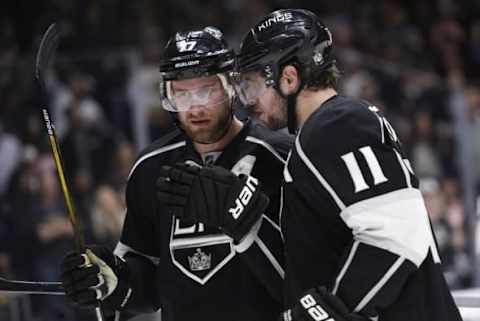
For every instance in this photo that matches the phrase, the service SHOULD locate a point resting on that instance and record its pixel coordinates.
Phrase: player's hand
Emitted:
(318, 304)
(93, 276)
(214, 196)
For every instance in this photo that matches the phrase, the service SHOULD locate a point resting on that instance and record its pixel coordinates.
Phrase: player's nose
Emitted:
(197, 108)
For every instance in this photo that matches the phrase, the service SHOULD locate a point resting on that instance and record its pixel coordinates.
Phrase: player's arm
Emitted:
(266, 255)
(138, 245)
(375, 192)
(262, 252)
(236, 205)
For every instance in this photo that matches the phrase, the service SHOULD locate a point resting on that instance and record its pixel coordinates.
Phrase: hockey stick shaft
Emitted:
(79, 242)
(46, 50)
(30, 287)
(48, 45)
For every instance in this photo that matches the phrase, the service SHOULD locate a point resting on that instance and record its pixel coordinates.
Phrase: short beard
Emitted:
(283, 120)
(279, 119)
(214, 134)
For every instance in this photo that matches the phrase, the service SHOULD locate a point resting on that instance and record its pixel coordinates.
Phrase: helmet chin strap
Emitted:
(291, 101)
(291, 114)
(291, 108)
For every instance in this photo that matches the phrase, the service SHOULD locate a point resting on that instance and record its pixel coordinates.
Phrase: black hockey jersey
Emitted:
(354, 219)
(200, 273)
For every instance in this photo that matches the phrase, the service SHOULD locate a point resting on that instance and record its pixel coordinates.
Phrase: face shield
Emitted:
(205, 95)
(250, 86)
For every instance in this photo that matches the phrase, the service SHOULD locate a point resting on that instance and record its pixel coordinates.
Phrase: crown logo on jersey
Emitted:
(200, 261)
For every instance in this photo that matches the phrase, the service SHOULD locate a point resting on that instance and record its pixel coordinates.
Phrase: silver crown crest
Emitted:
(200, 261)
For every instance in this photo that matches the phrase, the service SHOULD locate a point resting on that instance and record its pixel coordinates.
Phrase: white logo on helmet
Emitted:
(275, 19)
(319, 49)
(185, 45)
(214, 32)
(187, 63)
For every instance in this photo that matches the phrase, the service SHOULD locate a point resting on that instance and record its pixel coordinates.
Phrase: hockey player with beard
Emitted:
(224, 269)
(358, 241)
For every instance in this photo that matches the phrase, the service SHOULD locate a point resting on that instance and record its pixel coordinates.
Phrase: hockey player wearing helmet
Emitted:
(358, 241)
(189, 263)
(195, 86)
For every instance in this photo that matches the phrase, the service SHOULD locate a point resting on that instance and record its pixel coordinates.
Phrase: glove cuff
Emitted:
(120, 296)
(286, 315)
(245, 243)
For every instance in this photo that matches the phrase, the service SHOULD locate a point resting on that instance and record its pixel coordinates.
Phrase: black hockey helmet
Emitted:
(287, 36)
(195, 54)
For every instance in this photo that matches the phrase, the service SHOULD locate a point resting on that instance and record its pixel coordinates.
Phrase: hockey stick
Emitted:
(30, 287)
(48, 45)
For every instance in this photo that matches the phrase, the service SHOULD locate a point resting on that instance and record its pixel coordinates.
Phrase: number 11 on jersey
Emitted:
(355, 172)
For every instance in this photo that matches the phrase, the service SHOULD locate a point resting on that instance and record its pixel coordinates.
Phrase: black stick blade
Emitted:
(48, 46)
(30, 287)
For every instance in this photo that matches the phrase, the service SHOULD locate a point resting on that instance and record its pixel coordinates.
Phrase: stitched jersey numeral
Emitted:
(355, 172)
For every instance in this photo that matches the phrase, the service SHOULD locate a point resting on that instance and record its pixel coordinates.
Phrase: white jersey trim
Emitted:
(344, 269)
(126, 298)
(396, 222)
(381, 128)
(267, 146)
(122, 249)
(317, 174)
(256, 238)
(404, 169)
(280, 212)
(275, 225)
(200, 241)
(156, 152)
(377, 287)
(286, 174)
(270, 257)
(248, 239)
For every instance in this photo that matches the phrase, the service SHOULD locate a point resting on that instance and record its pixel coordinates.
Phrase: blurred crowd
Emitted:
(409, 58)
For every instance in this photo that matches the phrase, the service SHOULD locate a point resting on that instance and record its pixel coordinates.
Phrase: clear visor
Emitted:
(250, 86)
(204, 96)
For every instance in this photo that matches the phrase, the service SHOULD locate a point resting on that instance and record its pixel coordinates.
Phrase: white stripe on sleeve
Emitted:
(396, 222)
(317, 174)
(353, 250)
(270, 257)
(122, 249)
(156, 152)
(377, 287)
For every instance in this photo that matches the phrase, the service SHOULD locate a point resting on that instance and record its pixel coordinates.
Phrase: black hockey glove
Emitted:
(214, 196)
(317, 304)
(97, 275)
